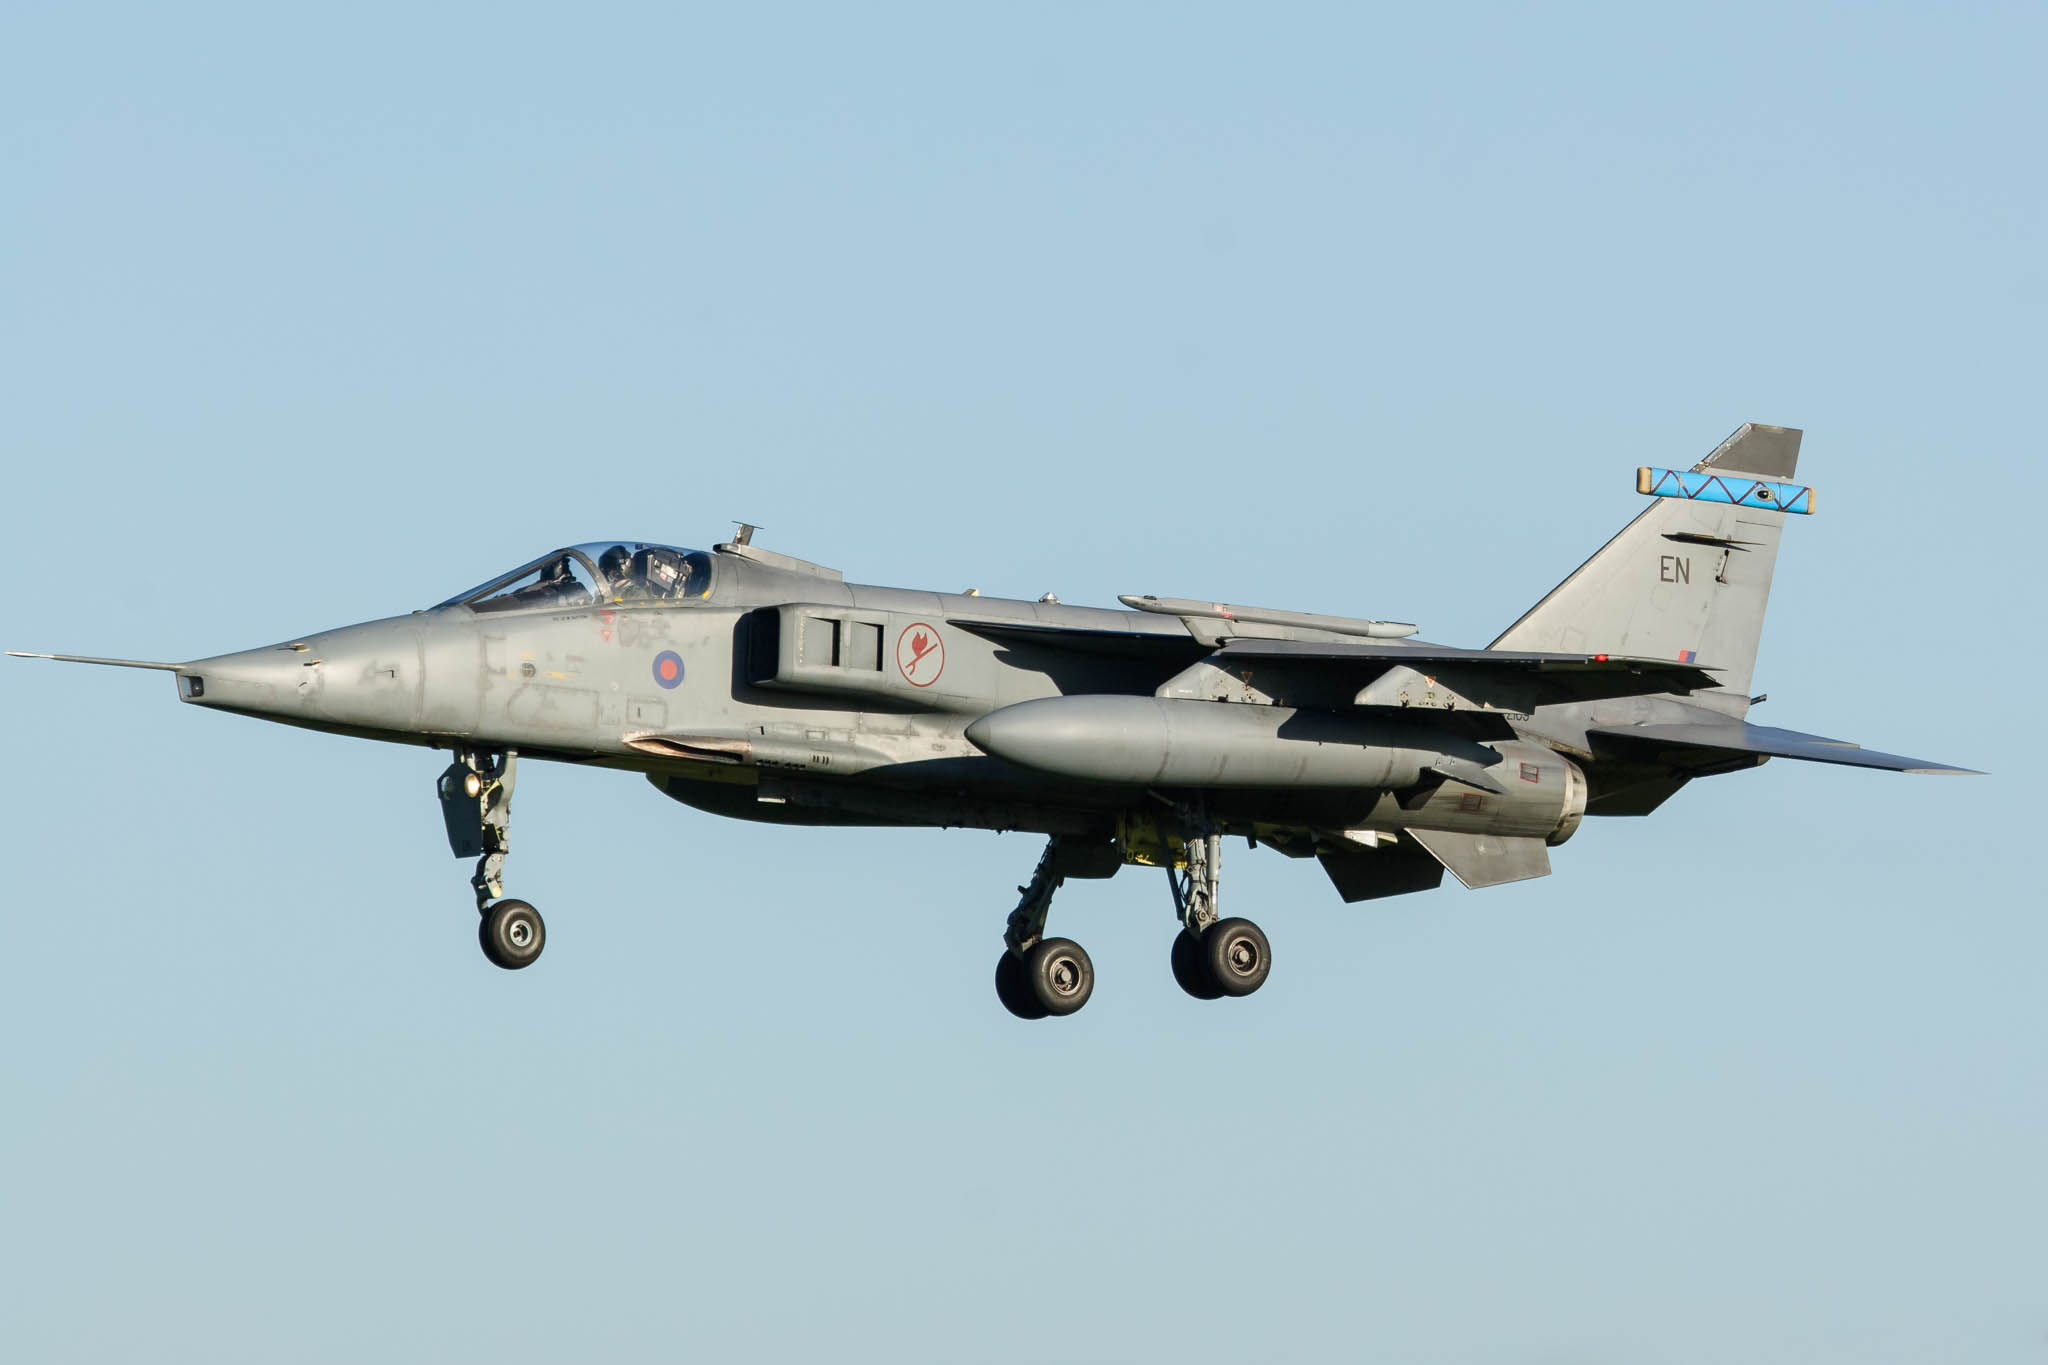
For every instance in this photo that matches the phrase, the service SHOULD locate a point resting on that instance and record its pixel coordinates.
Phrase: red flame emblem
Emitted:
(920, 654)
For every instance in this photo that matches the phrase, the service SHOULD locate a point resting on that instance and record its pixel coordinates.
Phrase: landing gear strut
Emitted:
(1212, 956)
(476, 806)
(1036, 976)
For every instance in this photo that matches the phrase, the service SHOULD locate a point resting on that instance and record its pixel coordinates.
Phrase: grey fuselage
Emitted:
(756, 685)
(788, 695)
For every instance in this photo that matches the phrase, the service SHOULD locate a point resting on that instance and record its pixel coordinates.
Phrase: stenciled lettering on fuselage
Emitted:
(644, 627)
(1674, 569)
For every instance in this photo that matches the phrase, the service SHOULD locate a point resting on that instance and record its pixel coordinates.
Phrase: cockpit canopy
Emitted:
(601, 572)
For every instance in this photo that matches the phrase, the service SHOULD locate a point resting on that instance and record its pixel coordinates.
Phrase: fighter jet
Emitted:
(756, 685)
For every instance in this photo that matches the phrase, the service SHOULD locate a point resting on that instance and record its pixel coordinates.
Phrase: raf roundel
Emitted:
(668, 669)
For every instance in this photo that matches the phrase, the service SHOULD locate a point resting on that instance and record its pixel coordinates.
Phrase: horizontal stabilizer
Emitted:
(1485, 859)
(1729, 736)
(91, 659)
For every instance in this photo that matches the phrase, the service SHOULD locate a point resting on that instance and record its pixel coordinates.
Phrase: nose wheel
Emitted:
(512, 934)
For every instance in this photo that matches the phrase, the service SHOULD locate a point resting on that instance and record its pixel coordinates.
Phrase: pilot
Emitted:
(616, 564)
(558, 580)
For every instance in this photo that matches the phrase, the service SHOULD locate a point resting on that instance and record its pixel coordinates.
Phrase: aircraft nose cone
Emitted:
(364, 677)
(980, 733)
(261, 680)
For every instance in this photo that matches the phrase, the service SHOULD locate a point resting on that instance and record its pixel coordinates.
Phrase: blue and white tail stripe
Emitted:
(1706, 486)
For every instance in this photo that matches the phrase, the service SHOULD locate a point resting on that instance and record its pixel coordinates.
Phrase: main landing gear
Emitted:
(1039, 977)
(476, 805)
(1212, 957)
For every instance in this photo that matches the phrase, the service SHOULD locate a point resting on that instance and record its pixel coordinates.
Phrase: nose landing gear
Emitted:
(476, 806)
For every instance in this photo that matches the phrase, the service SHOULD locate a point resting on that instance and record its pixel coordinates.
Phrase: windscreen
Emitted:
(598, 572)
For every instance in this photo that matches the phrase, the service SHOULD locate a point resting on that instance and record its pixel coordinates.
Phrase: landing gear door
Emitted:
(476, 806)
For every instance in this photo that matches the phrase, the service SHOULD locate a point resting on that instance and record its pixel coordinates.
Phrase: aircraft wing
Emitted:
(1504, 679)
(1711, 738)
(1476, 678)
(1152, 646)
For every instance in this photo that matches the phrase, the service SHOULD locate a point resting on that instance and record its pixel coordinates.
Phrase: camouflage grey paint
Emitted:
(797, 697)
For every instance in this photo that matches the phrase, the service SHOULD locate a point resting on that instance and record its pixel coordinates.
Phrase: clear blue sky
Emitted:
(313, 316)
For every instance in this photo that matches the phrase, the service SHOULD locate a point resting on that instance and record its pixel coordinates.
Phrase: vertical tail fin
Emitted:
(1685, 580)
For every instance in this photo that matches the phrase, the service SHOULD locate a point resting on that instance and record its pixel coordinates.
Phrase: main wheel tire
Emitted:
(1190, 970)
(1237, 956)
(1060, 974)
(1013, 988)
(512, 934)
